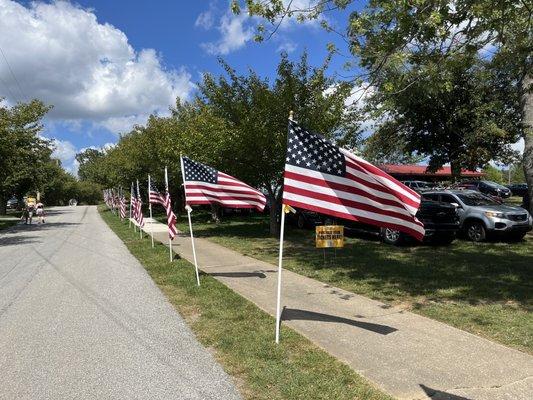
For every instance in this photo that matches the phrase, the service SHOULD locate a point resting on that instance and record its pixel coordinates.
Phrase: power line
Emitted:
(8, 89)
(12, 74)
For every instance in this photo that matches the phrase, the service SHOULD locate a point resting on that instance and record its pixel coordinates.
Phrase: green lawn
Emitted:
(7, 220)
(241, 336)
(483, 288)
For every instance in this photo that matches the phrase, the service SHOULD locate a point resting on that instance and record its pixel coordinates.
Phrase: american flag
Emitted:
(122, 206)
(137, 208)
(132, 202)
(157, 197)
(322, 177)
(206, 185)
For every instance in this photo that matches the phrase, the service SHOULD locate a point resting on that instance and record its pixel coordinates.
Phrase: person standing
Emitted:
(40, 213)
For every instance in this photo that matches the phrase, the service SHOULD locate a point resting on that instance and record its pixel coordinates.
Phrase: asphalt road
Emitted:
(81, 319)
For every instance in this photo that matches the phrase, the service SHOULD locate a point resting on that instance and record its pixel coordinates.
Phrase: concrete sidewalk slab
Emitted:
(405, 354)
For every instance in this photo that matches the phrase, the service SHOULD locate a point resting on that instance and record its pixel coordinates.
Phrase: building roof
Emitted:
(411, 169)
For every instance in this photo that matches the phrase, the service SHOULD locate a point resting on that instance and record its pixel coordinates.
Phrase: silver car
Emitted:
(481, 215)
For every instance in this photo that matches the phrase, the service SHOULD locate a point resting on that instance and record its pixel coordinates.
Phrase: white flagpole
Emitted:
(280, 266)
(131, 203)
(189, 210)
(169, 239)
(150, 207)
(140, 209)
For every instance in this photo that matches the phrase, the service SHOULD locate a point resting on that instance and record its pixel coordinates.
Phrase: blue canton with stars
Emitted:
(309, 150)
(195, 171)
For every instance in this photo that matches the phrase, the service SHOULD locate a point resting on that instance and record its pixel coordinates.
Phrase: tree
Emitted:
(23, 153)
(454, 111)
(91, 165)
(258, 111)
(388, 32)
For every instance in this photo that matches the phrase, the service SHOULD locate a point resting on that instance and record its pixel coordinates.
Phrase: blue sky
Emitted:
(106, 65)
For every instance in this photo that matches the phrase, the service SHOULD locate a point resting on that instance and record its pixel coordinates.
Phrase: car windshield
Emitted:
(494, 185)
(424, 185)
(476, 199)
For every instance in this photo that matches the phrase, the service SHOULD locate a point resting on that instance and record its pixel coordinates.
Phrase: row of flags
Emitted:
(319, 176)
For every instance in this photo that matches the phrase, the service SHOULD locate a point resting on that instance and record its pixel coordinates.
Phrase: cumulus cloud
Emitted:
(234, 34)
(206, 19)
(62, 54)
(65, 151)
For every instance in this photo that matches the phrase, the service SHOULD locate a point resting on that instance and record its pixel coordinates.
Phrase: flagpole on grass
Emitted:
(131, 203)
(189, 210)
(280, 267)
(280, 260)
(169, 238)
(150, 208)
(139, 202)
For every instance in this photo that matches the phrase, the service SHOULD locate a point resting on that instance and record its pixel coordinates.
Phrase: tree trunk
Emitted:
(528, 136)
(274, 211)
(455, 169)
(3, 205)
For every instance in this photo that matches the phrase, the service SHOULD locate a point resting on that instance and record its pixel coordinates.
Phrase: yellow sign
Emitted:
(329, 236)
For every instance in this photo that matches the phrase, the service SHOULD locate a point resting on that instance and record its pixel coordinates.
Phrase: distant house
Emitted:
(419, 173)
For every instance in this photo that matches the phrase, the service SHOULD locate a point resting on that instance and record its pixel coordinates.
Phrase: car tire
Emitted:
(475, 231)
(391, 236)
(300, 223)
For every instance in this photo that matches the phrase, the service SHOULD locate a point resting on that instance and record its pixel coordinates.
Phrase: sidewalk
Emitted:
(404, 354)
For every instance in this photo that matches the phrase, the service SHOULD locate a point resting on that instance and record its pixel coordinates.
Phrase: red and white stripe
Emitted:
(365, 194)
(228, 192)
(122, 207)
(165, 201)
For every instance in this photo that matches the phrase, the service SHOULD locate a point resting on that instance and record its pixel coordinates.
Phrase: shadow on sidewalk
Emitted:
(438, 395)
(239, 274)
(292, 314)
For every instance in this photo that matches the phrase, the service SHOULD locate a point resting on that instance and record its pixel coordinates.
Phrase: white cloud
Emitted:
(123, 124)
(519, 146)
(287, 46)
(206, 19)
(61, 54)
(65, 151)
(233, 34)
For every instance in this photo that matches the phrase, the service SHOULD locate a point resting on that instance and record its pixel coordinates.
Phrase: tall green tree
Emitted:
(23, 153)
(388, 32)
(257, 111)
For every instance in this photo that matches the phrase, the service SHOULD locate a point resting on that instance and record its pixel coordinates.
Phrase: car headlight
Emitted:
(494, 214)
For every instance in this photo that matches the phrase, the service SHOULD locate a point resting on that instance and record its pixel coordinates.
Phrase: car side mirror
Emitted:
(456, 205)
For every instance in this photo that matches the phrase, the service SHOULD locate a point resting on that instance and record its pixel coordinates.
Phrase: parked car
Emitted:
(440, 222)
(12, 203)
(518, 189)
(420, 186)
(487, 187)
(480, 215)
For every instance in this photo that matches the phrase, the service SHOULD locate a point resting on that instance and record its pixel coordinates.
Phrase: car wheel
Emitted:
(475, 231)
(391, 236)
(301, 222)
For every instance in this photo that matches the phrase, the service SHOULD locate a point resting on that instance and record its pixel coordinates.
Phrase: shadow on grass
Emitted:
(463, 271)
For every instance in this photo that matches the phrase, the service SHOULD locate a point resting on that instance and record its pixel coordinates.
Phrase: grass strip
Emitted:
(6, 223)
(483, 288)
(241, 336)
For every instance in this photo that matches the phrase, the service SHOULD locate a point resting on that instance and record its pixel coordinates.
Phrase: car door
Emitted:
(448, 198)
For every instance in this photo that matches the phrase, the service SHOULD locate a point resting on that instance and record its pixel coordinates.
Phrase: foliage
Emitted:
(23, 153)
(450, 112)
(493, 174)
